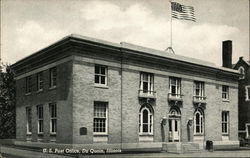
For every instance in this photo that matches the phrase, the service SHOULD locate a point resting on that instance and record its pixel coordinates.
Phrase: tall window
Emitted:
(28, 84)
(198, 122)
(100, 75)
(247, 93)
(100, 118)
(225, 122)
(147, 83)
(146, 120)
(53, 117)
(242, 72)
(175, 86)
(28, 118)
(40, 118)
(52, 77)
(199, 90)
(225, 92)
(39, 81)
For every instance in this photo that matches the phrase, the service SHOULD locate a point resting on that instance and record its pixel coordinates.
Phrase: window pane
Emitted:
(145, 86)
(170, 125)
(96, 79)
(197, 119)
(103, 70)
(145, 116)
(176, 125)
(97, 70)
(145, 127)
(102, 79)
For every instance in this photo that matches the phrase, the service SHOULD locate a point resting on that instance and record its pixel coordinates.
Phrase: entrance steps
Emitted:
(181, 147)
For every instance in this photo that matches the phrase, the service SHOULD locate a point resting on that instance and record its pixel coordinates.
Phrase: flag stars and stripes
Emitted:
(182, 12)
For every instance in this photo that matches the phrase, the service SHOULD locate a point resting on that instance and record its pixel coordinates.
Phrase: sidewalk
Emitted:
(11, 152)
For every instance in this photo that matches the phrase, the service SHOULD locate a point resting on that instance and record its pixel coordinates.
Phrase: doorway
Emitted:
(174, 123)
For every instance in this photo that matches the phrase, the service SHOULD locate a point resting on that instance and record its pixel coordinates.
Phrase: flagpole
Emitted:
(170, 49)
(170, 25)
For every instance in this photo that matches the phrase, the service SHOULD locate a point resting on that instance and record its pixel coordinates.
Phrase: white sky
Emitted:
(30, 25)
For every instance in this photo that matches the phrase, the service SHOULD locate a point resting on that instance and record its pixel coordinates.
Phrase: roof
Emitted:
(241, 59)
(132, 47)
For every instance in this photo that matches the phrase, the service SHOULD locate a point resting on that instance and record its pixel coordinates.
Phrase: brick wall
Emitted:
(61, 95)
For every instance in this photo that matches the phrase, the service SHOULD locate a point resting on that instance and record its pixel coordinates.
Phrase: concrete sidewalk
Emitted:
(12, 152)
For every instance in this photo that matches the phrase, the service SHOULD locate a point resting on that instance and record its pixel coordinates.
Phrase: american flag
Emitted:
(182, 12)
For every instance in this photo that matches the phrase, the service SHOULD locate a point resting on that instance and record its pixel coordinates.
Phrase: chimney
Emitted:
(227, 54)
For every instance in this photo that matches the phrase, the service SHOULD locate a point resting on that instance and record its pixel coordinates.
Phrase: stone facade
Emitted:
(75, 58)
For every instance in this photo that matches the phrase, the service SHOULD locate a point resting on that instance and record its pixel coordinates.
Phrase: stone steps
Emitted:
(181, 147)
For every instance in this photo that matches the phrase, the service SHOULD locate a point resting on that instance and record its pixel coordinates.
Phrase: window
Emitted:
(100, 75)
(198, 122)
(100, 118)
(199, 90)
(225, 92)
(40, 81)
(225, 121)
(145, 120)
(52, 77)
(242, 72)
(28, 84)
(28, 118)
(247, 93)
(147, 83)
(40, 118)
(53, 120)
(175, 86)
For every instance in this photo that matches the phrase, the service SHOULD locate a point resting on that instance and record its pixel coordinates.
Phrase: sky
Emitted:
(30, 25)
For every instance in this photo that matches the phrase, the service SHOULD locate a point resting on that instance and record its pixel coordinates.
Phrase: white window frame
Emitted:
(242, 72)
(52, 77)
(28, 84)
(40, 119)
(53, 118)
(225, 122)
(225, 92)
(247, 90)
(150, 122)
(247, 132)
(99, 75)
(201, 87)
(96, 117)
(175, 82)
(147, 78)
(201, 122)
(40, 81)
(28, 120)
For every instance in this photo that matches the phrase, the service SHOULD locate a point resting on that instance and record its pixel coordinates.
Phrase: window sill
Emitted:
(199, 134)
(52, 134)
(28, 93)
(100, 134)
(51, 88)
(247, 100)
(146, 134)
(39, 91)
(225, 134)
(225, 100)
(40, 134)
(28, 134)
(101, 86)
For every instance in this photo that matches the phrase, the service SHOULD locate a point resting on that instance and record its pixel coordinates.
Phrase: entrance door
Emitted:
(174, 129)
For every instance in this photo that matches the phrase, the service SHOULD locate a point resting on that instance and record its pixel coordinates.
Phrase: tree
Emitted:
(7, 104)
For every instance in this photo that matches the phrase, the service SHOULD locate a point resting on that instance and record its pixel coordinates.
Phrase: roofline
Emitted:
(132, 47)
(241, 58)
